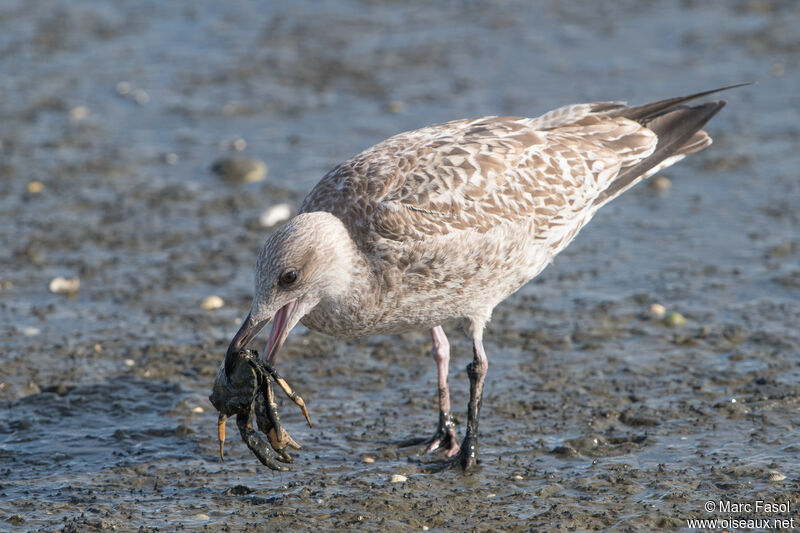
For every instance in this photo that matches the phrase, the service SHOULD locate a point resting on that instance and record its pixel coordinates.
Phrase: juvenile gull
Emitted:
(447, 221)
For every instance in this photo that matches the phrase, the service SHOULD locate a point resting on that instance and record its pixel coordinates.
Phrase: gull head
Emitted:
(307, 260)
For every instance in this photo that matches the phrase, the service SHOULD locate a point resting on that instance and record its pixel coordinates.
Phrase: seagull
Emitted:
(447, 221)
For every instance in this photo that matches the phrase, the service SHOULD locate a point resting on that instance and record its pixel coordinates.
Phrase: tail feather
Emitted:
(696, 142)
(679, 131)
(699, 141)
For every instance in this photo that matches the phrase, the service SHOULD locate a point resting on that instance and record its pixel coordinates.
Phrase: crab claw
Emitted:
(259, 446)
(245, 388)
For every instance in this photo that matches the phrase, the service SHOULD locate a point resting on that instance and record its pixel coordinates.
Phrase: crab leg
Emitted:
(221, 435)
(282, 383)
(269, 422)
(272, 411)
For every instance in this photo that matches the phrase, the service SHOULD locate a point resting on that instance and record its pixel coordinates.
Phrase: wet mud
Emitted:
(651, 369)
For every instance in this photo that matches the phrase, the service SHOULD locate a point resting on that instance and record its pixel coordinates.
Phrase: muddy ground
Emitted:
(597, 414)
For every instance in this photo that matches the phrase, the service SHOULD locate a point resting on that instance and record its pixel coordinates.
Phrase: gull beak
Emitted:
(249, 329)
(282, 324)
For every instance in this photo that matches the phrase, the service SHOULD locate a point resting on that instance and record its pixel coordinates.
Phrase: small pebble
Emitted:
(61, 285)
(660, 183)
(399, 478)
(518, 477)
(275, 215)
(129, 362)
(396, 106)
(491, 495)
(564, 451)
(675, 319)
(140, 96)
(212, 302)
(30, 331)
(197, 409)
(35, 187)
(202, 516)
(369, 460)
(774, 475)
(657, 310)
(240, 169)
(76, 114)
(123, 88)
(98, 347)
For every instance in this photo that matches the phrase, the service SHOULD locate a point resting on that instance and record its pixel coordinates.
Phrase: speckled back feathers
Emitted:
(450, 219)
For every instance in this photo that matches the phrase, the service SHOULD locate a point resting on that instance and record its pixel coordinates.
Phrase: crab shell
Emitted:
(236, 394)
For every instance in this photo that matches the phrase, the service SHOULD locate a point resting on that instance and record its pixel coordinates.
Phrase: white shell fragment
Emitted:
(239, 144)
(60, 285)
(140, 96)
(399, 478)
(76, 114)
(657, 310)
(275, 215)
(123, 88)
(212, 302)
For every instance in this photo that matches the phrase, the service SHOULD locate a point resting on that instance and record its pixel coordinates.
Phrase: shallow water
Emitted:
(596, 415)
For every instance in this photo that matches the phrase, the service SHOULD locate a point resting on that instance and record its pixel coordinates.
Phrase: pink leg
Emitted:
(467, 456)
(445, 436)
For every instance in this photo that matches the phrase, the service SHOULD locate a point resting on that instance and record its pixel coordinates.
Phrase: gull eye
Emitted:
(288, 277)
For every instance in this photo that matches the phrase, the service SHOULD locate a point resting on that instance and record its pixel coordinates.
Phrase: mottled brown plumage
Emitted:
(446, 221)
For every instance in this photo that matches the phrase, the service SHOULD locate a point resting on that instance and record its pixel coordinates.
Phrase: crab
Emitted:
(247, 392)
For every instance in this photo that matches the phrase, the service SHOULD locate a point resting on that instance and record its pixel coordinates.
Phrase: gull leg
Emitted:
(476, 371)
(445, 436)
(468, 455)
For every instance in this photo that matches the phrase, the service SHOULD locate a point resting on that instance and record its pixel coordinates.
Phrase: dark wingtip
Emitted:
(734, 86)
(645, 112)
